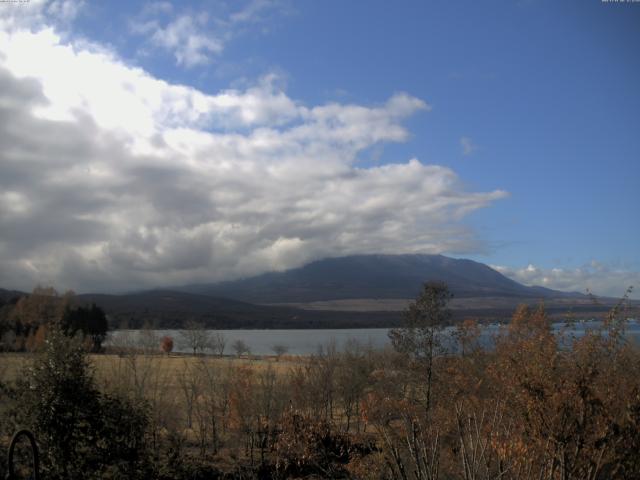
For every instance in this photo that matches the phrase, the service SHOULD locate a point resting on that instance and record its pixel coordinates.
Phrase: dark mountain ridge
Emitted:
(373, 276)
(320, 295)
(9, 295)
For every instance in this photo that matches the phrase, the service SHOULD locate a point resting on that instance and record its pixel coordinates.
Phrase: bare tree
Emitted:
(218, 343)
(240, 347)
(212, 403)
(188, 381)
(279, 350)
(423, 321)
(351, 380)
(147, 339)
(196, 337)
(321, 380)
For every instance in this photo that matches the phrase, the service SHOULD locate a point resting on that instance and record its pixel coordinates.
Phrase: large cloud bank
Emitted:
(112, 179)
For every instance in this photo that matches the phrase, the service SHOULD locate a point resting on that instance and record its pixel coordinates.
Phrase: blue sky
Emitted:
(522, 117)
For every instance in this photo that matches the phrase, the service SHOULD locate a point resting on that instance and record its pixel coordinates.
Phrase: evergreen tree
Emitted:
(82, 433)
(90, 321)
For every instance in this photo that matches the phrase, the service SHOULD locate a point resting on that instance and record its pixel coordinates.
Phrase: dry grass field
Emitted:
(171, 366)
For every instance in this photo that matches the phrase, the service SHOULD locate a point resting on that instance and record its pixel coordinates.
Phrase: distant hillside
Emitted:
(172, 309)
(351, 292)
(8, 295)
(348, 292)
(374, 276)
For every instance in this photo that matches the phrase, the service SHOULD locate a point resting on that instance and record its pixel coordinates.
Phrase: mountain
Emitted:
(346, 292)
(10, 295)
(374, 277)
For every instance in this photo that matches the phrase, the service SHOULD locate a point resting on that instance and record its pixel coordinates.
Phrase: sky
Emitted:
(151, 144)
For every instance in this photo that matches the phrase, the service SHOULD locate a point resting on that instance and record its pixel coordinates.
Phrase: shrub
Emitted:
(82, 433)
(166, 344)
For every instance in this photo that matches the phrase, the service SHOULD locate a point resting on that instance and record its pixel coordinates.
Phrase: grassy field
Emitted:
(172, 366)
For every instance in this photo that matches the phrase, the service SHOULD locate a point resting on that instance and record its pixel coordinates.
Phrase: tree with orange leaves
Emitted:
(166, 344)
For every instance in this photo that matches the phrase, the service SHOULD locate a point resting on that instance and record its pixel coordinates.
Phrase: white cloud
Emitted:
(187, 38)
(467, 145)
(595, 277)
(113, 179)
(155, 8)
(195, 38)
(36, 13)
(66, 10)
(254, 11)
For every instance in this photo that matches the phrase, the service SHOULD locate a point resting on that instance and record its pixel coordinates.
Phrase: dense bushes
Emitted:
(307, 446)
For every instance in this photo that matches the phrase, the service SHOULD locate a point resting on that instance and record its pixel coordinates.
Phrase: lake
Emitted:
(306, 342)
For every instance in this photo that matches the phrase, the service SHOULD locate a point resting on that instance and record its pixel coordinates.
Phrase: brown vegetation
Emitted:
(538, 404)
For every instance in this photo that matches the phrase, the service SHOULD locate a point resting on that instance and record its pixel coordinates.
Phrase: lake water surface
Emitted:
(306, 342)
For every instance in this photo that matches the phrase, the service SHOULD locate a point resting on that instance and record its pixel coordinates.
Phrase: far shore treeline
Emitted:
(25, 320)
(170, 309)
